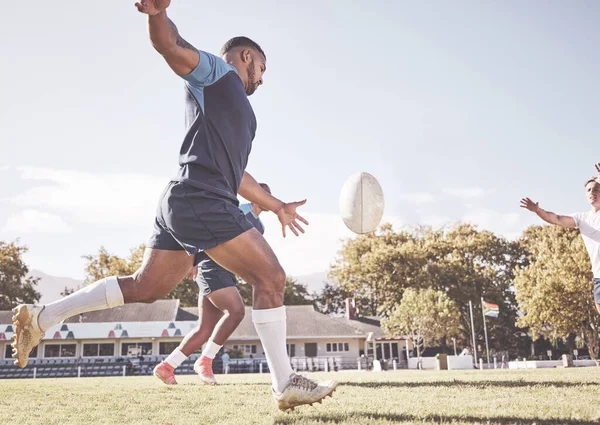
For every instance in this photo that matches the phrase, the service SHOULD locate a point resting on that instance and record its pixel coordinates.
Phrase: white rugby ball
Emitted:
(361, 203)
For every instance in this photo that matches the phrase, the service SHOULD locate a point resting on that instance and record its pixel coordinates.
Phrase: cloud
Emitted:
(436, 221)
(126, 199)
(316, 249)
(466, 192)
(510, 225)
(417, 198)
(33, 221)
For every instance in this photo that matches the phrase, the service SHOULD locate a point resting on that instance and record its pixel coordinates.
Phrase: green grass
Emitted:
(531, 397)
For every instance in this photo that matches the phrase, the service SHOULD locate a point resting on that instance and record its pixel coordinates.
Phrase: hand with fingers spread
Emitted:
(152, 7)
(289, 218)
(597, 166)
(530, 205)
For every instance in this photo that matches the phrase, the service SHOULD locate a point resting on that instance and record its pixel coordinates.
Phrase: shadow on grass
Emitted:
(470, 384)
(443, 419)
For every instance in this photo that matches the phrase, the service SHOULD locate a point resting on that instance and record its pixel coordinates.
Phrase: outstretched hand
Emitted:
(152, 7)
(288, 217)
(598, 171)
(530, 205)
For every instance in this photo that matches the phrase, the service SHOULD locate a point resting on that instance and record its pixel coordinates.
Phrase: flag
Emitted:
(491, 310)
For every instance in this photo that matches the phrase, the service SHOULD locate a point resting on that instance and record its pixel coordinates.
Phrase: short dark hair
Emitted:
(593, 179)
(265, 187)
(241, 42)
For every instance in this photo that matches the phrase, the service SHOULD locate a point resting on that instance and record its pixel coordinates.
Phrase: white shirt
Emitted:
(589, 226)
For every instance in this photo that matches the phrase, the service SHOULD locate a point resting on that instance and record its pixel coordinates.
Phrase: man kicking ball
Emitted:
(588, 224)
(220, 311)
(198, 211)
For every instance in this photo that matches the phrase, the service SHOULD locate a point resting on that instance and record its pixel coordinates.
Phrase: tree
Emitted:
(104, 264)
(295, 293)
(425, 315)
(554, 290)
(463, 262)
(15, 287)
(67, 291)
(331, 300)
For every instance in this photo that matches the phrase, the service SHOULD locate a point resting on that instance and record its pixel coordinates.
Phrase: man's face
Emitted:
(255, 69)
(592, 190)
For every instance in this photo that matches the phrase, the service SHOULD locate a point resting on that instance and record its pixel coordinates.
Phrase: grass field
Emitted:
(532, 397)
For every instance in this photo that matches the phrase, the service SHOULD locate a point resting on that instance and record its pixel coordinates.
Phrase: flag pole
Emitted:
(473, 333)
(487, 348)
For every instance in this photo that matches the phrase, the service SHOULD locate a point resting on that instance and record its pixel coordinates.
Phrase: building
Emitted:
(134, 330)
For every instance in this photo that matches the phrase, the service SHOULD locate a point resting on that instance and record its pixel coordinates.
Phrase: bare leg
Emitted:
(160, 272)
(598, 307)
(208, 316)
(229, 300)
(250, 257)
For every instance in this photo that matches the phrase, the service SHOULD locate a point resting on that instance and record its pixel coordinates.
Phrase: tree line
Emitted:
(420, 282)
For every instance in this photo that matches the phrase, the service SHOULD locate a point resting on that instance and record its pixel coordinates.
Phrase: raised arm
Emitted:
(547, 216)
(180, 55)
(286, 212)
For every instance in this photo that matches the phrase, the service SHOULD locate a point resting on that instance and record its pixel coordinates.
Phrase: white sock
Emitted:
(270, 326)
(176, 358)
(211, 349)
(100, 295)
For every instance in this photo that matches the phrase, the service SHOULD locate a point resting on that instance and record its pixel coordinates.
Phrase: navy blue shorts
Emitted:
(192, 219)
(597, 291)
(212, 277)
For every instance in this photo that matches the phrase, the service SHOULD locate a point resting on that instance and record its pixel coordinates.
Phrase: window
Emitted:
(337, 346)
(310, 349)
(106, 350)
(394, 350)
(136, 349)
(167, 347)
(291, 350)
(8, 352)
(95, 350)
(60, 350)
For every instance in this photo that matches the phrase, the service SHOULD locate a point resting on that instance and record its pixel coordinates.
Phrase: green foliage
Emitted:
(463, 262)
(425, 315)
(15, 287)
(554, 289)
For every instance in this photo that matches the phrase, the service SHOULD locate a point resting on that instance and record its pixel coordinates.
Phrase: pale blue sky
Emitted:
(458, 108)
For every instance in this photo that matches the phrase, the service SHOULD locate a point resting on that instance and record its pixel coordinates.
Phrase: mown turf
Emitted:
(531, 397)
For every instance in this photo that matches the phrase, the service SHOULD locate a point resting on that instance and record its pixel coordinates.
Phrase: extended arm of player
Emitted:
(251, 190)
(286, 212)
(180, 55)
(547, 216)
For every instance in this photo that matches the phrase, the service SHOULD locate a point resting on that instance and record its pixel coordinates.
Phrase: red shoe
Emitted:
(166, 373)
(203, 367)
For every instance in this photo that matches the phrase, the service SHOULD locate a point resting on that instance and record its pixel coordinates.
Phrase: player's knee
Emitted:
(274, 279)
(237, 313)
(138, 290)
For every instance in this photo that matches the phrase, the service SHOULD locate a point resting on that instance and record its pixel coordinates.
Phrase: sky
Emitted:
(458, 108)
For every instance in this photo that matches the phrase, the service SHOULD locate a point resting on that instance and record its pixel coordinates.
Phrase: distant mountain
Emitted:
(51, 286)
(315, 282)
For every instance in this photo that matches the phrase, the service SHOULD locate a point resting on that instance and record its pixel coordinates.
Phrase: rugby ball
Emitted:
(361, 203)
